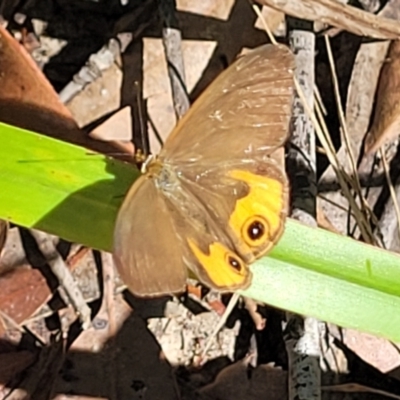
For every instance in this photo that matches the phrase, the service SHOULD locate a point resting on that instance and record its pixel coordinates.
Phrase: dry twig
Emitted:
(172, 40)
(64, 276)
(339, 15)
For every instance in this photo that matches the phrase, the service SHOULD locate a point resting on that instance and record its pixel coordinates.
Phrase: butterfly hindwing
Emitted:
(146, 251)
(248, 198)
(206, 247)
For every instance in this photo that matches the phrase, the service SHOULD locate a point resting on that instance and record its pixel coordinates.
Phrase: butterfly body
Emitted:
(216, 197)
(165, 178)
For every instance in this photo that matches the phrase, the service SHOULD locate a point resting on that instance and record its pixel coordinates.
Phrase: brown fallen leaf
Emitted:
(39, 380)
(218, 306)
(386, 122)
(239, 381)
(357, 388)
(22, 292)
(28, 100)
(3, 234)
(195, 290)
(338, 15)
(14, 362)
(378, 352)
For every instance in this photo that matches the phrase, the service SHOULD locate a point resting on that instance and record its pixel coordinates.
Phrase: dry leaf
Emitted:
(194, 290)
(14, 362)
(378, 352)
(218, 306)
(338, 15)
(357, 388)
(38, 383)
(238, 381)
(3, 234)
(27, 99)
(386, 123)
(22, 292)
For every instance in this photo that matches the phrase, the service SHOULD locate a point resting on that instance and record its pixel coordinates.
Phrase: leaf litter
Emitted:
(153, 349)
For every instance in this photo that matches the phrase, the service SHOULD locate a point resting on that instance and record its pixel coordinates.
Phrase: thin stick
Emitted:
(356, 185)
(109, 302)
(328, 200)
(172, 41)
(342, 16)
(318, 100)
(334, 162)
(231, 305)
(64, 276)
(265, 25)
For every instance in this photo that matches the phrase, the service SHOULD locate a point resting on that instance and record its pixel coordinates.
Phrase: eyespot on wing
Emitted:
(258, 218)
(225, 269)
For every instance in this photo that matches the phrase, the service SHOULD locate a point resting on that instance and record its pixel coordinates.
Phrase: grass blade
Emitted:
(68, 191)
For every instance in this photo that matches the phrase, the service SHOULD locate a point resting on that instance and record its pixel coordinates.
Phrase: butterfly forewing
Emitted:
(245, 110)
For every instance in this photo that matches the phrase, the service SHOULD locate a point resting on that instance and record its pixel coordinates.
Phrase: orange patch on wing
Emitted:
(265, 199)
(218, 267)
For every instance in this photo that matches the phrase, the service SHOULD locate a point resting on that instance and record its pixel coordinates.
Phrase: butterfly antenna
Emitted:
(231, 305)
(141, 108)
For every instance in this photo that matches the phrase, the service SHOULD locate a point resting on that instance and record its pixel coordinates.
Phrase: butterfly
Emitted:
(216, 197)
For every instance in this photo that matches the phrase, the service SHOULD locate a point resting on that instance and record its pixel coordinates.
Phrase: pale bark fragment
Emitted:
(386, 122)
(303, 343)
(172, 41)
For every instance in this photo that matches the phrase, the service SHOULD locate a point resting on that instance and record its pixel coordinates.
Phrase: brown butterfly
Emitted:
(216, 197)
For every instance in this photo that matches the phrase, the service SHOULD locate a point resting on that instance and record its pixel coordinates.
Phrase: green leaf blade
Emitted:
(68, 191)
